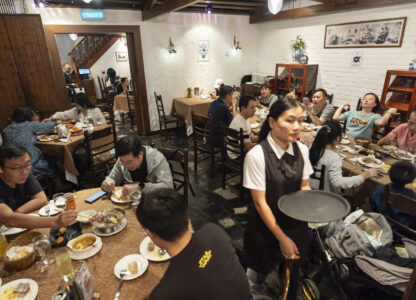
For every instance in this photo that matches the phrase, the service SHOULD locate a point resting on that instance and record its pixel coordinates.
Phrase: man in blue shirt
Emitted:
(219, 109)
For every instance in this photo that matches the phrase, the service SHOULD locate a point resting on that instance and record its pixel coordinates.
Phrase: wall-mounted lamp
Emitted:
(208, 9)
(274, 6)
(237, 44)
(73, 36)
(171, 48)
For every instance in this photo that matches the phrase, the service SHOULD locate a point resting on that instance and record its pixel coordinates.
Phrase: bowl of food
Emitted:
(109, 220)
(83, 243)
(20, 254)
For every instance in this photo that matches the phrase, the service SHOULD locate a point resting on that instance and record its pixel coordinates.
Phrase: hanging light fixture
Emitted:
(274, 6)
(73, 36)
(208, 9)
(87, 1)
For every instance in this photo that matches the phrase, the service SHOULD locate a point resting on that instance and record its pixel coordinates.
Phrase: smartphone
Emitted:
(95, 197)
(306, 101)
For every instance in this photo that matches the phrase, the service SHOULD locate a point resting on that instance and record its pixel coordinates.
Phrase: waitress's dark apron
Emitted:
(283, 176)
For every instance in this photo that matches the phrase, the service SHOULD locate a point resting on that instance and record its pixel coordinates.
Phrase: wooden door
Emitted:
(11, 92)
(33, 61)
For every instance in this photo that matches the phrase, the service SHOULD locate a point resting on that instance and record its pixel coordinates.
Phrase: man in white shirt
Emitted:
(247, 107)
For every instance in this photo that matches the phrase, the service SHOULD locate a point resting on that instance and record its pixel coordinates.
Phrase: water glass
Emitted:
(42, 247)
(64, 263)
(59, 200)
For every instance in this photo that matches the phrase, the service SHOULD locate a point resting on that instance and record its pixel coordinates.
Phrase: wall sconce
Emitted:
(171, 48)
(237, 46)
(73, 36)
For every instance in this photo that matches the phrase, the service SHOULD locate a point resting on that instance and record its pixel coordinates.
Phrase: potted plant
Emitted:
(189, 90)
(297, 47)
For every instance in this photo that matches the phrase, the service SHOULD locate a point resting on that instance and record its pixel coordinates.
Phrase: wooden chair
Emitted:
(181, 176)
(47, 185)
(330, 98)
(203, 137)
(109, 116)
(233, 143)
(164, 119)
(100, 146)
(132, 110)
(410, 292)
(320, 177)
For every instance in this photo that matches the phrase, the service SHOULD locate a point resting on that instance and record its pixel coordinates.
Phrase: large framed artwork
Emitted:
(365, 34)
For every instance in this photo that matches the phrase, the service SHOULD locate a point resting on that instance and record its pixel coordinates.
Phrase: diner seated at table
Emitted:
(84, 111)
(23, 132)
(138, 167)
(247, 105)
(221, 113)
(361, 123)
(204, 264)
(122, 86)
(21, 193)
(401, 173)
(266, 99)
(217, 86)
(292, 94)
(320, 110)
(403, 136)
(323, 152)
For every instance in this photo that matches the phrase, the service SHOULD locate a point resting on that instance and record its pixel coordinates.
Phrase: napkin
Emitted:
(64, 139)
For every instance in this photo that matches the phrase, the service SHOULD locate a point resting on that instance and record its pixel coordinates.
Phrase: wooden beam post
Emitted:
(168, 6)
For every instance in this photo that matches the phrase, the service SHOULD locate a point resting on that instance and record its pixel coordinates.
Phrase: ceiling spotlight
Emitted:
(87, 1)
(237, 44)
(171, 47)
(41, 5)
(73, 36)
(208, 9)
(274, 6)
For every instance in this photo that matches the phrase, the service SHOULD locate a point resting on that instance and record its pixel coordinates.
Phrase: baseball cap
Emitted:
(218, 83)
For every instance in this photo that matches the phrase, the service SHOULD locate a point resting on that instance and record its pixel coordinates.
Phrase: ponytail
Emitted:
(325, 136)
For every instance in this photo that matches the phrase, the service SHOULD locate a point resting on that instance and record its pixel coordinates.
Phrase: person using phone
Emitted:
(320, 110)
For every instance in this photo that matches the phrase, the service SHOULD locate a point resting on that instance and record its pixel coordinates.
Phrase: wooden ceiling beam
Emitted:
(168, 6)
(236, 3)
(148, 5)
(214, 7)
(262, 15)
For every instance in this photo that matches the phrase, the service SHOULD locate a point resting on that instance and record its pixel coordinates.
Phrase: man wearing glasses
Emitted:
(21, 193)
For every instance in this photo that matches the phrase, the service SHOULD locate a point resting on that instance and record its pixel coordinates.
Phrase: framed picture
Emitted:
(121, 56)
(366, 34)
(203, 51)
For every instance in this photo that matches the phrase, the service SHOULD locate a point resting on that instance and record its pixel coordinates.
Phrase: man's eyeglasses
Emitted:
(20, 169)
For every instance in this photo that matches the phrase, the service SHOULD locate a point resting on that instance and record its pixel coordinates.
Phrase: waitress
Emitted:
(276, 166)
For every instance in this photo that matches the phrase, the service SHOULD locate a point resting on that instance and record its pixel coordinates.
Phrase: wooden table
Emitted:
(185, 106)
(64, 151)
(101, 266)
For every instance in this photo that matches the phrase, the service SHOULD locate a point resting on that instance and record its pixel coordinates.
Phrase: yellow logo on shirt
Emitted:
(205, 259)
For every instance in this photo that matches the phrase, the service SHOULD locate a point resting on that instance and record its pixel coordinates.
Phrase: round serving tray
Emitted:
(314, 206)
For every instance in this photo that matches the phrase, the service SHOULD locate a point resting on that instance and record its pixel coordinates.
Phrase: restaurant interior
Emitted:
(261, 115)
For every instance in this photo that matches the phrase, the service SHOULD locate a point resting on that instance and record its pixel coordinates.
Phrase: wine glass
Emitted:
(42, 247)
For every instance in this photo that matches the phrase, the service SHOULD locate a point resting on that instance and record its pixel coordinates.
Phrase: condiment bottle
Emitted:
(70, 202)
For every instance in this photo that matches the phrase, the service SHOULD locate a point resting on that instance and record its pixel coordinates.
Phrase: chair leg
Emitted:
(192, 189)
(195, 159)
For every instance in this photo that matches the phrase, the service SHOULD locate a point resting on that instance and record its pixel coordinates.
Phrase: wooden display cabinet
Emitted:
(299, 76)
(399, 91)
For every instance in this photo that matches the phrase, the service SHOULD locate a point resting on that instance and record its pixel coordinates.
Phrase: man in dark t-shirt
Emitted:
(203, 264)
(21, 193)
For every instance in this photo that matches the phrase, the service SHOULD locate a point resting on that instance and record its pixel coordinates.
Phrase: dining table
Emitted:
(121, 103)
(101, 265)
(185, 106)
(64, 150)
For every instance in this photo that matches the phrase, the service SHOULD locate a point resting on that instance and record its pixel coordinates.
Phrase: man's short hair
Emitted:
(245, 100)
(66, 64)
(225, 90)
(9, 151)
(129, 144)
(163, 212)
(402, 173)
(123, 79)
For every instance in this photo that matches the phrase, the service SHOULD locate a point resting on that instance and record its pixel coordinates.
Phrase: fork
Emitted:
(48, 210)
(123, 272)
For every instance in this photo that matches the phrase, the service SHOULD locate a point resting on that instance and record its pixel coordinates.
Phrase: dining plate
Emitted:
(86, 215)
(14, 230)
(152, 255)
(255, 125)
(7, 290)
(87, 254)
(115, 200)
(375, 164)
(123, 263)
(345, 142)
(123, 225)
(389, 147)
(45, 138)
(53, 210)
(402, 155)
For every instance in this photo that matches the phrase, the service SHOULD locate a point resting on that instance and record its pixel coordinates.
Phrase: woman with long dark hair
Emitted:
(360, 123)
(276, 166)
(83, 111)
(323, 152)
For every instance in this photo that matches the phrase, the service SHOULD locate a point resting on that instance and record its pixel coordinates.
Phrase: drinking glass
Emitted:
(64, 263)
(42, 247)
(3, 243)
(59, 200)
(135, 196)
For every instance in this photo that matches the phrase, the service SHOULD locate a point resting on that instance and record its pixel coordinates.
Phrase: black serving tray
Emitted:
(71, 232)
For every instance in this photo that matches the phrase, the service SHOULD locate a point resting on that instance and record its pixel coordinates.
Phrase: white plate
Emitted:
(123, 225)
(14, 230)
(49, 139)
(389, 147)
(85, 215)
(31, 295)
(115, 200)
(345, 142)
(398, 154)
(255, 125)
(53, 210)
(152, 256)
(142, 264)
(375, 164)
(84, 255)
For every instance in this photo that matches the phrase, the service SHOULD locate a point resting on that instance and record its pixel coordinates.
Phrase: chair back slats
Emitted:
(319, 174)
(160, 107)
(233, 141)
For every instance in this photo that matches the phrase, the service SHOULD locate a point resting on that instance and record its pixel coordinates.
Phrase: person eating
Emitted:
(266, 99)
(276, 166)
(403, 136)
(21, 193)
(320, 110)
(137, 168)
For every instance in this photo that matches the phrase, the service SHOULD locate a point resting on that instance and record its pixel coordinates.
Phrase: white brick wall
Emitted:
(336, 74)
